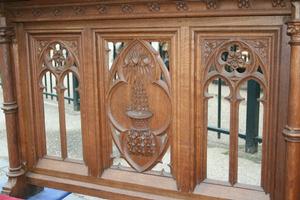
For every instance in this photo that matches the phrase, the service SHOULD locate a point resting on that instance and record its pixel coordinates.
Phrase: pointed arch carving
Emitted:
(139, 105)
(235, 62)
(59, 58)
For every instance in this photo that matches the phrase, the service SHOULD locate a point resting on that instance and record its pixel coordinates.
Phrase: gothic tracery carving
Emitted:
(142, 122)
(235, 60)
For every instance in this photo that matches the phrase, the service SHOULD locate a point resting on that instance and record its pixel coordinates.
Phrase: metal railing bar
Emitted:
(226, 131)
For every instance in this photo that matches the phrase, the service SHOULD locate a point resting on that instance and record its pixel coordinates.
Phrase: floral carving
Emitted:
(41, 46)
(78, 10)
(138, 65)
(278, 3)
(181, 6)
(154, 7)
(57, 12)
(56, 56)
(210, 46)
(36, 12)
(236, 60)
(211, 4)
(73, 45)
(126, 8)
(243, 3)
(261, 46)
(102, 9)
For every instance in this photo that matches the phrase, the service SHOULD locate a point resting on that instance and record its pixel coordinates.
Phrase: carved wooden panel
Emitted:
(236, 60)
(58, 58)
(134, 102)
(139, 105)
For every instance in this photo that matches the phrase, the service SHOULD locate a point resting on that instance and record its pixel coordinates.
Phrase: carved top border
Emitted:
(22, 12)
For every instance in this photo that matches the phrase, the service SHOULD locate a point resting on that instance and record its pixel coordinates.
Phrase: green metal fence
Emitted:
(72, 93)
(251, 136)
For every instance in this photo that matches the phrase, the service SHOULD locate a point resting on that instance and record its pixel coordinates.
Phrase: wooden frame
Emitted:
(84, 30)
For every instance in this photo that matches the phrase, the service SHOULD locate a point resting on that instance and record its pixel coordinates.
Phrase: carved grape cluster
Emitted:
(141, 142)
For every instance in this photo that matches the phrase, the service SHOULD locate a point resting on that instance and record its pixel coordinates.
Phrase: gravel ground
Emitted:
(218, 159)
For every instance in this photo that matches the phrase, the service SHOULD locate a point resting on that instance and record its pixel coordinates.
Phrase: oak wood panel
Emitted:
(178, 22)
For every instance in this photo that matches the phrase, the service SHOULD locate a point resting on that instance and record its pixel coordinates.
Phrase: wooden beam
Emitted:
(292, 130)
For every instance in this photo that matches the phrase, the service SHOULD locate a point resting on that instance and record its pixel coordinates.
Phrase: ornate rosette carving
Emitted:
(102, 9)
(78, 10)
(181, 6)
(211, 4)
(144, 8)
(236, 60)
(57, 57)
(243, 3)
(139, 105)
(127, 8)
(278, 3)
(154, 7)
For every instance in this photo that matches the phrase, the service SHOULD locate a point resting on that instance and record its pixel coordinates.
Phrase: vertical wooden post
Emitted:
(292, 130)
(16, 184)
(10, 109)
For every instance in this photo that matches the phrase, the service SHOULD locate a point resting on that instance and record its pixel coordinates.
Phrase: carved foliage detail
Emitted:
(211, 4)
(261, 47)
(278, 3)
(210, 45)
(243, 3)
(127, 8)
(6, 34)
(293, 29)
(143, 117)
(181, 6)
(154, 7)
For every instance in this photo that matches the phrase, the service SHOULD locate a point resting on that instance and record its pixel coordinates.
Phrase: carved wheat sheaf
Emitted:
(139, 105)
